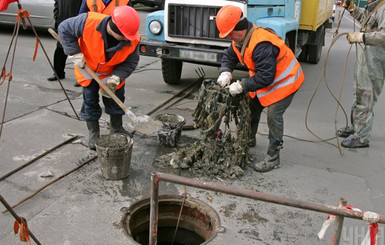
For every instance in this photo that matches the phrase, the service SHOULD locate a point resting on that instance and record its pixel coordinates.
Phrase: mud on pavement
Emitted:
(224, 122)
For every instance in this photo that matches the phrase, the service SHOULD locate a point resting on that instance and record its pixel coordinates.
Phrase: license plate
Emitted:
(197, 55)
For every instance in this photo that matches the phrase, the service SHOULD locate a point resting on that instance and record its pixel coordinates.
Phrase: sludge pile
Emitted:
(225, 124)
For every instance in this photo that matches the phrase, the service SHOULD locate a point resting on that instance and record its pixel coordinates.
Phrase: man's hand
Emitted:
(112, 82)
(236, 88)
(349, 5)
(78, 60)
(355, 37)
(224, 79)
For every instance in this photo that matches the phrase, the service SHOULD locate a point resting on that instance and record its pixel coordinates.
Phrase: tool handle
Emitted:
(106, 88)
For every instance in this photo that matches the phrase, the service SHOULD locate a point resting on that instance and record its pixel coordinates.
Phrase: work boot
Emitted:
(54, 78)
(345, 131)
(354, 141)
(271, 160)
(116, 126)
(253, 136)
(94, 133)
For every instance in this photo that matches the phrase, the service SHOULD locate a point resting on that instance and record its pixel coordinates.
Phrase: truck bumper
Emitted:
(195, 55)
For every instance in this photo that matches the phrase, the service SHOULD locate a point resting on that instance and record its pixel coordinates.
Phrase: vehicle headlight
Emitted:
(155, 27)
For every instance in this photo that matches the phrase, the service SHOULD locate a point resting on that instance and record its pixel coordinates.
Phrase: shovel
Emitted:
(142, 124)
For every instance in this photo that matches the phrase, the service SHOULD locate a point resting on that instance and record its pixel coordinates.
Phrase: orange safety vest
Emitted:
(98, 6)
(288, 77)
(92, 46)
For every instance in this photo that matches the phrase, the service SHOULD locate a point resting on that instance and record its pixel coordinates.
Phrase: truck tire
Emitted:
(315, 51)
(302, 57)
(171, 70)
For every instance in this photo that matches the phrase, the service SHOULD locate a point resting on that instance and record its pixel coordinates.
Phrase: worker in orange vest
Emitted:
(102, 6)
(275, 76)
(109, 47)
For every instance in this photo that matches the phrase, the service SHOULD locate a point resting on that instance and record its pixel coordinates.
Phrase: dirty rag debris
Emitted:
(225, 123)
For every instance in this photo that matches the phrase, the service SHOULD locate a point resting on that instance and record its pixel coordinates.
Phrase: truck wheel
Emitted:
(171, 70)
(315, 51)
(304, 53)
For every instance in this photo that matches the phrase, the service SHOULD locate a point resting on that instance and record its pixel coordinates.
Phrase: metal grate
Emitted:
(189, 21)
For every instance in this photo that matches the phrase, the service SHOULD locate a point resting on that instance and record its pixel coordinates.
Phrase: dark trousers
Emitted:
(91, 110)
(59, 60)
(274, 117)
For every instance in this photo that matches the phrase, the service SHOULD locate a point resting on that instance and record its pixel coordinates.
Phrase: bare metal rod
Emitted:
(37, 158)
(340, 222)
(154, 212)
(174, 96)
(53, 69)
(51, 182)
(17, 217)
(157, 177)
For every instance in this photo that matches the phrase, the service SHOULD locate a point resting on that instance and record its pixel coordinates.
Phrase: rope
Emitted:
(336, 36)
(323, 77)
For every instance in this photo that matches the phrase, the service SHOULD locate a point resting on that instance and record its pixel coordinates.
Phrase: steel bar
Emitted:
(15, 35)
(154, 212)
(17, 217)
(340, 222)
(264, 196)
(38, 157)
(198, 83)
(50, 183)
(157, 177)
(171, 98)
(50, 63)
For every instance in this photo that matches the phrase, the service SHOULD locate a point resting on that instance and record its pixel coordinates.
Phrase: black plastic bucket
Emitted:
(171, 130)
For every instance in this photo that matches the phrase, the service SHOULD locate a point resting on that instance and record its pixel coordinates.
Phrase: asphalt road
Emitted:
(83, 208)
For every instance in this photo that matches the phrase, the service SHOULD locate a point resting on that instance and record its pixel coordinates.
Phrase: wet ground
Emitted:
(84, 208)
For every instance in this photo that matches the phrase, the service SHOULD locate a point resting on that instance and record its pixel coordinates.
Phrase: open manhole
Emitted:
(198, 224)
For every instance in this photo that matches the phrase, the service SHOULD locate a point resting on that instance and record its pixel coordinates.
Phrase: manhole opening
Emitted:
(198, 222)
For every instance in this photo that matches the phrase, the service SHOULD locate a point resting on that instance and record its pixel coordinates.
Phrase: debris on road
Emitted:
(225, 124)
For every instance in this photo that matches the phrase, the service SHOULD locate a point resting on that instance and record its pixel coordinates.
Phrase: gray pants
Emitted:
(368, 82)
(274, 117)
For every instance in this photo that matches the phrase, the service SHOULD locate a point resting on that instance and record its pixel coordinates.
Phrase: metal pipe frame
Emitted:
(156, 177)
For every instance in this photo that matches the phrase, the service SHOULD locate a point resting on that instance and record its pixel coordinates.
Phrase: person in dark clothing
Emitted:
(102, 6)
(63, 9)
(275, 76)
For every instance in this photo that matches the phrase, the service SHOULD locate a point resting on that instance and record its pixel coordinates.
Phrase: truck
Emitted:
(185, 31)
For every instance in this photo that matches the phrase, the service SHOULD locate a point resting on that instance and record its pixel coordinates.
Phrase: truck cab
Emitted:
(185, 31)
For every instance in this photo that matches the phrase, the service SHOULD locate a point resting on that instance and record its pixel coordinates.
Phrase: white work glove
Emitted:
(349, 5)
(112, 82)
(78, 60)
(224, 79)
(236, 88)
(355, 37)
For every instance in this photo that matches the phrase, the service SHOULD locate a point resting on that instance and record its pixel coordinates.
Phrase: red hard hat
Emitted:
(127, 20)
(227, 18)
